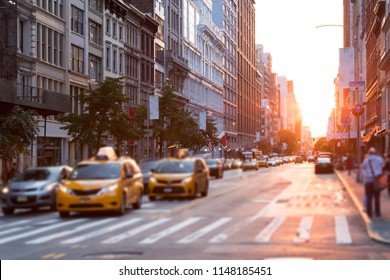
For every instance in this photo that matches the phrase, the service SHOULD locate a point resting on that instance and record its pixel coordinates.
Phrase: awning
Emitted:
(367, 138)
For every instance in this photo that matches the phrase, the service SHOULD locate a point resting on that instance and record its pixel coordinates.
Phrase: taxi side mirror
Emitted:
(130, 175)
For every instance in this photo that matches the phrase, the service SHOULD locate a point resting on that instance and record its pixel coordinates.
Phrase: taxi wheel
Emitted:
(8, 210)
(138, 203)
(152, 198)
(206, 191)
(122, 207)
(63, 214)
(195, 194)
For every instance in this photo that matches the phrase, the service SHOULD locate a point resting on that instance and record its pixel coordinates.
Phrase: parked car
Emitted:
(250, 164)
(227, 163)
(273, 161)
(179, 177)
(237, 163)
(299, 159)
(215, 167)
(33, 188)
(323, 165)
(262, 161)
(102, 183)
(146, 168)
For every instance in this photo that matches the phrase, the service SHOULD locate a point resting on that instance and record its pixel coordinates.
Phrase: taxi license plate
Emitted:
(21, 198)
(85, 200)
(167, 190)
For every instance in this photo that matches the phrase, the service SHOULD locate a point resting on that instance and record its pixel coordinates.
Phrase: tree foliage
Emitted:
(322, 145)
(288, 137)
(103, 113)
(17, 129)
(176, 125)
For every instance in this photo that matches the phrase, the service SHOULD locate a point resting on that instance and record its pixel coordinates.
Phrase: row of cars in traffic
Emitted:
(107, 182)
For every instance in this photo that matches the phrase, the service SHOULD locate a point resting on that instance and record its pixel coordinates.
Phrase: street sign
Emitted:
(357, 85)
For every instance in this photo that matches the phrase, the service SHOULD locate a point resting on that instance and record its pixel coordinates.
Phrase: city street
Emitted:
(277, 212)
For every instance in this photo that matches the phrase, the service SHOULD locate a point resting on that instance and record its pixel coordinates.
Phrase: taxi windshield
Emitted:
(175, 167)
(96, 171)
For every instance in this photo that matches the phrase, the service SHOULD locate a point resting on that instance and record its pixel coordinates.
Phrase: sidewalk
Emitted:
(377, 228)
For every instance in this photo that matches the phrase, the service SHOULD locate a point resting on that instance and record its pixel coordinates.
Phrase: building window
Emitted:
(114, 59)
(54, 7)
(95, 68)
(108, 57)
(95, 32)
(108, 26)
(96, 4)
(114, 29)
(77, 59)
(77, 20)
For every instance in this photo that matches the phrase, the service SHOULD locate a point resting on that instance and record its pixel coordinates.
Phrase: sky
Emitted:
(304, 53)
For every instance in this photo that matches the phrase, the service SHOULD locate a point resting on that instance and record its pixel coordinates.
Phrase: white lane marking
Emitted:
(265, 235)
(130, 233)
(11, 230)
(101, 231)
(29, 233)
(155, 237)
(343, 235)
(68, 232)
(304, 229)
(219, 238)
(197, 234)
(18, 223)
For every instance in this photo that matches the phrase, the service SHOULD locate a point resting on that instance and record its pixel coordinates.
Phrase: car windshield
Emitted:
(148, 165)
(211, 161)
(96, 171)
(40, 174)
(175, 167)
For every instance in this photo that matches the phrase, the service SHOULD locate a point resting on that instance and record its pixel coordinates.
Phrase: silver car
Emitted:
(33, 188)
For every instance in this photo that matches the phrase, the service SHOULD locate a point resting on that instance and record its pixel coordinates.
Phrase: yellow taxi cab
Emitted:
(179, 177)
(102, 183)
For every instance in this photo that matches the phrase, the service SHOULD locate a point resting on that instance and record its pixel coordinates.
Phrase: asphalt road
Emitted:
(277, 212)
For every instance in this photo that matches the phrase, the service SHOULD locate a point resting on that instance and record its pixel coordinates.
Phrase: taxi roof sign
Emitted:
(106, 153)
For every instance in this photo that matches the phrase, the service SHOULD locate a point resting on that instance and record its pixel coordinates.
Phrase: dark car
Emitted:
(146, 167)
(216, 167)
(323, 165)
(33, 188)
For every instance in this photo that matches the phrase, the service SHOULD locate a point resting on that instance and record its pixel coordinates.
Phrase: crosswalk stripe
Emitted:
(101, 231)
(304, 229)
(343, 235)
(46, 238)
(130, 233)
(29, 233)
(197, 234)
(11, 230)
(265, 235)
(219, 238)
(18, 223)
(155, 237)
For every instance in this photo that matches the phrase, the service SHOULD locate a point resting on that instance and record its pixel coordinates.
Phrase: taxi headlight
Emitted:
(186, 180)
(67, 190)
(5, 190)
(107, 189)
(152, 180)
(49, 187)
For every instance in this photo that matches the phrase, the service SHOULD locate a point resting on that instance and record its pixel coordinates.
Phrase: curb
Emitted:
(372, 233)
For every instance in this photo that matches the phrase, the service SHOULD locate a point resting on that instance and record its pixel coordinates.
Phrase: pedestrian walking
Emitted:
(371, 167)
(386, 170)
